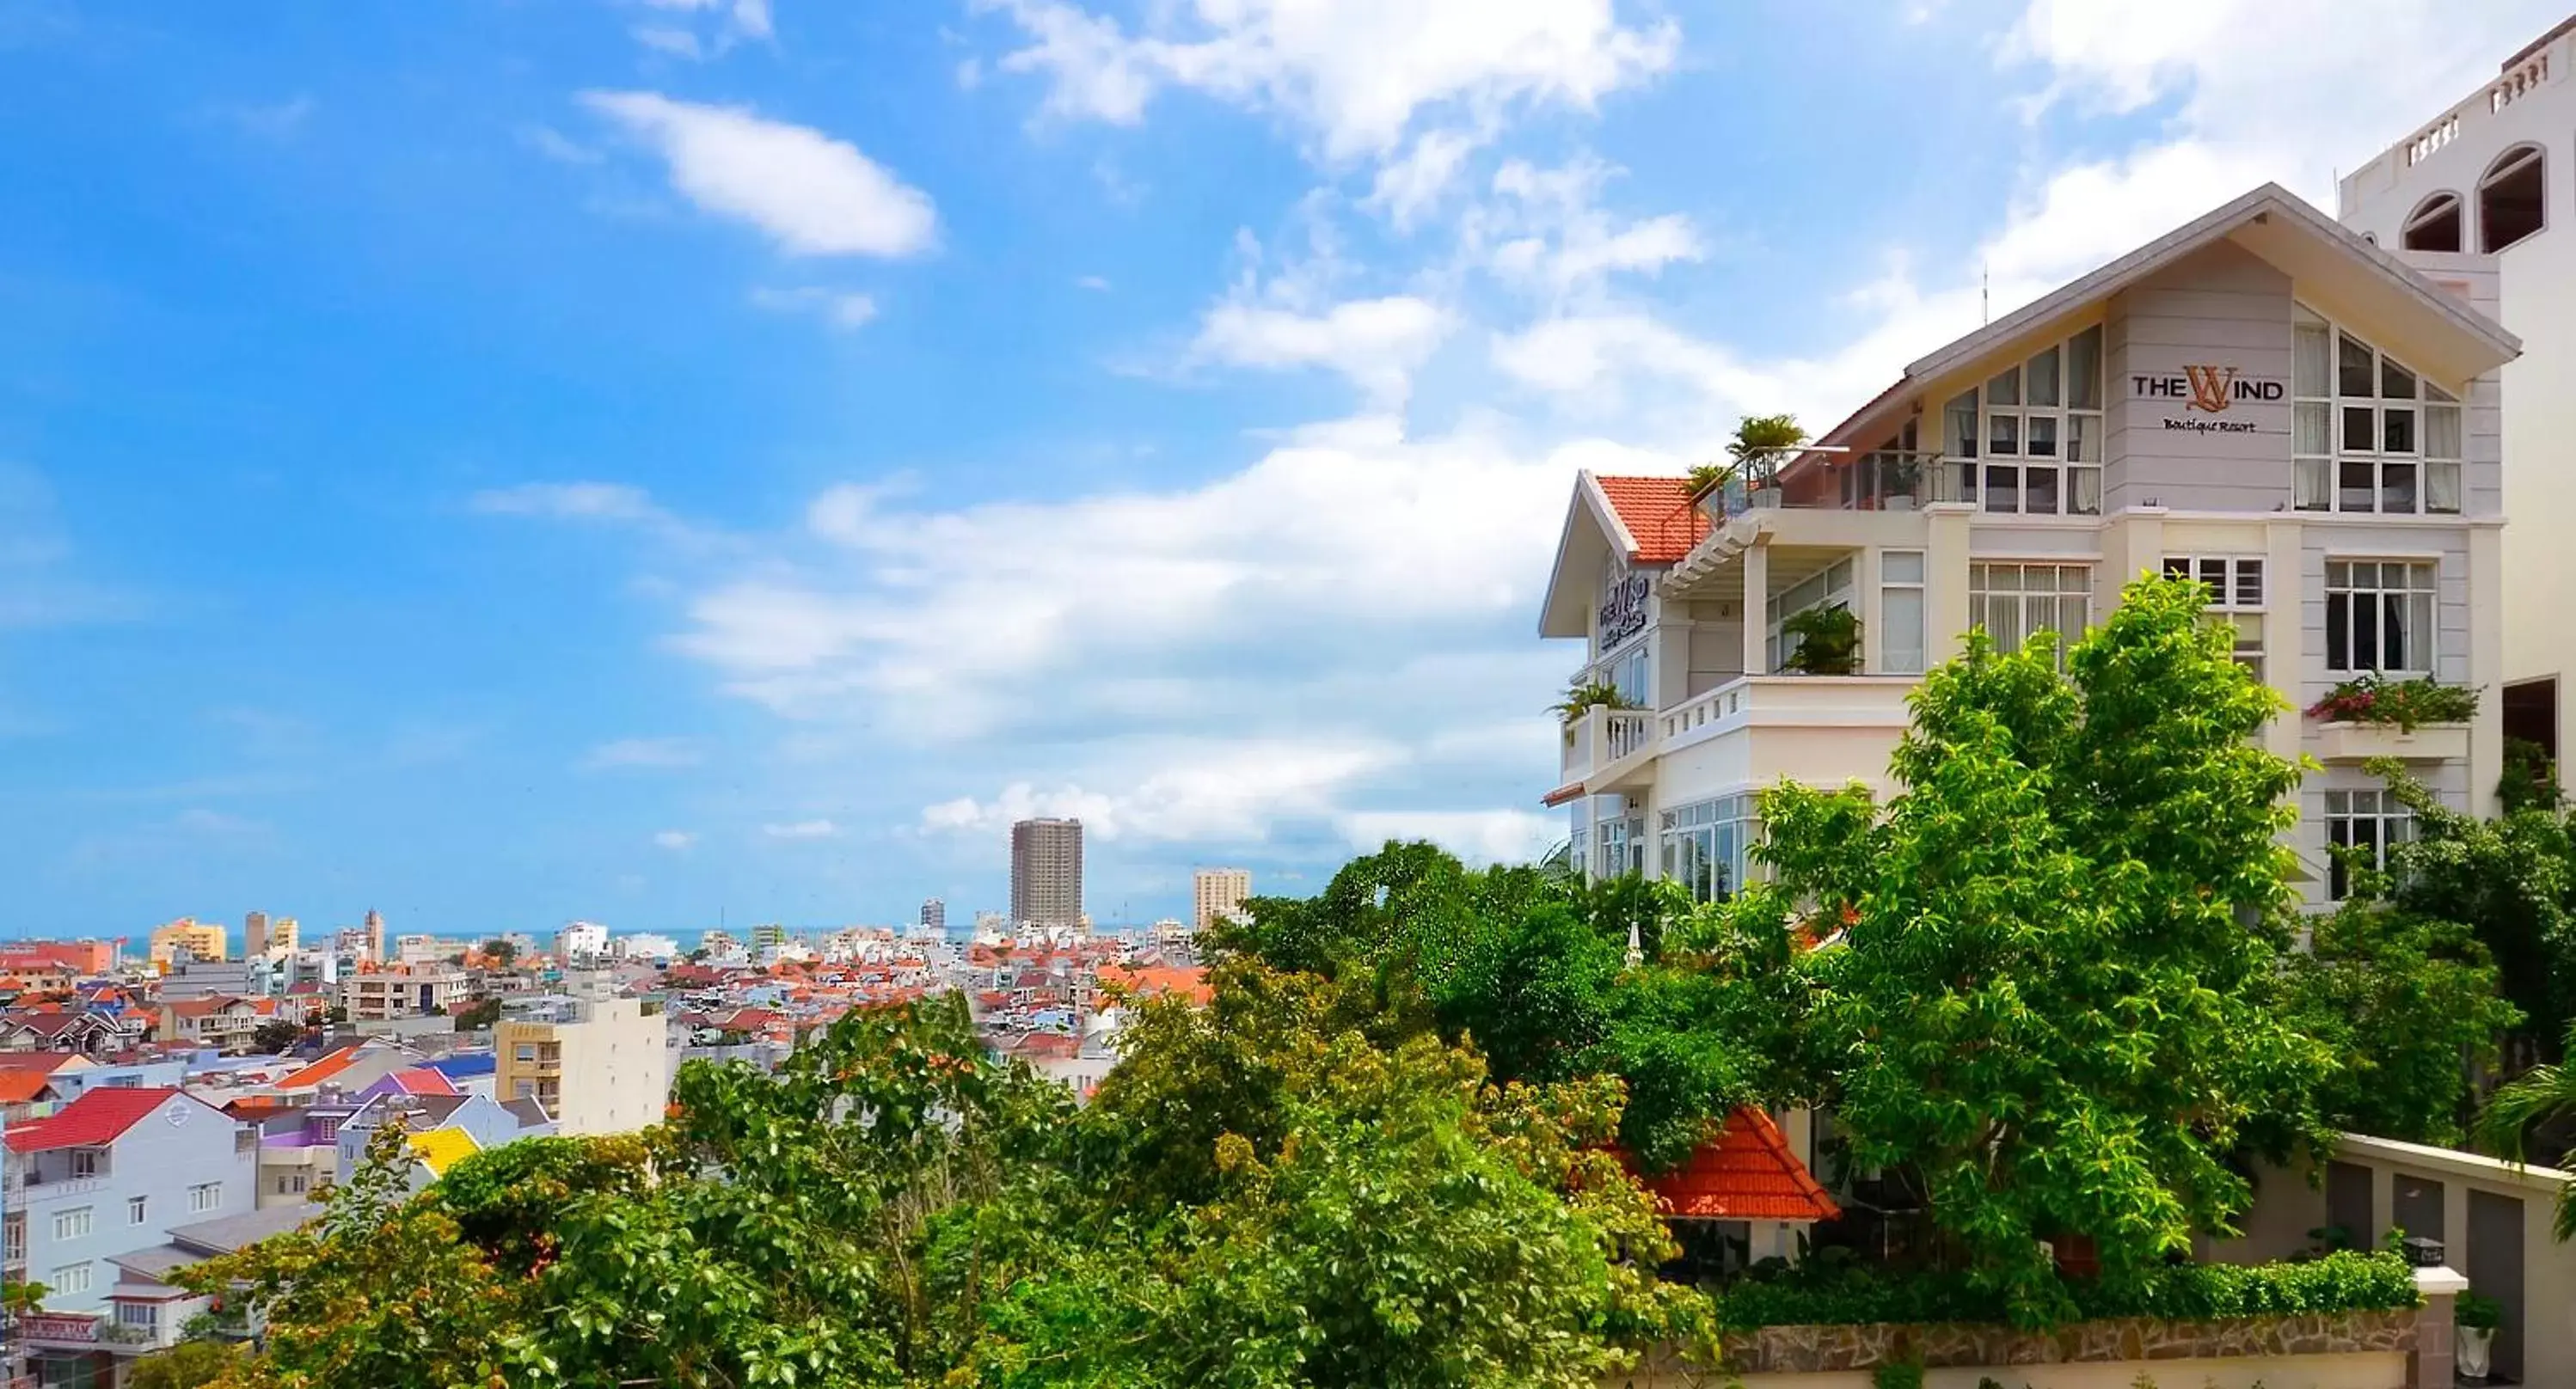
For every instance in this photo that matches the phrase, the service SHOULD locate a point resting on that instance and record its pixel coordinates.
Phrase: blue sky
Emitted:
(642, 459)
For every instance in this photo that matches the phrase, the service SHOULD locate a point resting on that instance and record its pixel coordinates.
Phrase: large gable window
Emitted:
(2435, 225)
(2029, 441)
(2511, 204)
(2367, 434)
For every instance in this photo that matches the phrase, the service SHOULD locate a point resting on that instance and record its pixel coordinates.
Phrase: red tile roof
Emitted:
(320, 1070)
(1745, 1173)
(421, 1080)
(1658, 515)
(100, 1115)
(47, 1062)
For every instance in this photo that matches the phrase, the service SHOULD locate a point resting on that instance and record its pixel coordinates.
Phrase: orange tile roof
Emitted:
(1189, 981)
(21, 1086)
(1658, 515)
(1745, 1173)
(320, 1070)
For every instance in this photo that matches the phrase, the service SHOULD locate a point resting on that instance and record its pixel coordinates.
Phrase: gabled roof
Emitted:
(330, 1064)
(1658, 523)
(102, 1115)
(440, 1149)
(2443, 334)
(465, 1064)
(20, 1086)
(1745, 1173)
(1644, 520)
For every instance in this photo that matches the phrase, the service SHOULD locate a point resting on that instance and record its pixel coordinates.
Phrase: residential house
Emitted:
(599, 1064)
(381, 995)
(2262, 400)
(223, 1022)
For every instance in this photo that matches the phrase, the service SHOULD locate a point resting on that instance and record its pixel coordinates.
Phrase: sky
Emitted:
(670, 461)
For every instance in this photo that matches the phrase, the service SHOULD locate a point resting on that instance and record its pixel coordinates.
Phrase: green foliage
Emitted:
(1839, 1293)
(2407, 704)
(2512, 881)
(1583, 698)
(1708, 477)
(2542, 1095)
(19, 1296)
(2408, 1004)
(2530, 779)
(481, 1015)
(187, 1365)
(2054, 1007)
(1761, 440)
(2475, 1311)
(1828, 638)
(1898, 1374)
(276, 1035)
(500, 952)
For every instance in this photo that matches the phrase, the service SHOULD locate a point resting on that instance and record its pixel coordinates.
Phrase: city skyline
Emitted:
(657, 464)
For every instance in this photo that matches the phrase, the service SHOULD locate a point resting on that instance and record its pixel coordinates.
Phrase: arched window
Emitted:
(2434, 225)
(2509, 198)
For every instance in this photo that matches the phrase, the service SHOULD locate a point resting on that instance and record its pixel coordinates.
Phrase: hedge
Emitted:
(1851, 1295)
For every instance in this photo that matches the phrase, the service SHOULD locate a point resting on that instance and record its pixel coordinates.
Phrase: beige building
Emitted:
(598, 1063)
(203, 939)
(1046, 873)
(2306, 422)
(386, 994)
(1218, 893)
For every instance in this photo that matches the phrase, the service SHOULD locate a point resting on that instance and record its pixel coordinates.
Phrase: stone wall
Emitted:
(1828, 1349)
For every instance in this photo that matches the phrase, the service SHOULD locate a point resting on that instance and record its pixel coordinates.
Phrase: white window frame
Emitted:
(1981, 592)
(2348, 813)
(137, 1210)
(2420, 615)
(76, 1223)
(70, 1278)
(1991, 471)
(204, 1197)
(1707, 845)
(2409, 446)
(145, 1316)
(1904, 648)
(1831, 586)
(84, 1162)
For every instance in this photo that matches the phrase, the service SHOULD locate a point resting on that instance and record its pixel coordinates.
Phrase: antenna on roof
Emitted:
(1985, 295)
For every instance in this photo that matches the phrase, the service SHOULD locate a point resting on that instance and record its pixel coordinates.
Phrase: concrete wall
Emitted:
(180, 1145)
(2224, 305)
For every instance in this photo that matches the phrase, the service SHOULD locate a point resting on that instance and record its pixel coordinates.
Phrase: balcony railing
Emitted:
(1820, 480)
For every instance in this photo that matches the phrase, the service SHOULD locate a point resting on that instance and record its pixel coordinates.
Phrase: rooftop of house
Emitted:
(1745, 1173)
(101, 1116)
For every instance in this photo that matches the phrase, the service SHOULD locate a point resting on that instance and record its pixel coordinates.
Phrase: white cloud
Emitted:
(1478, 836)
(274, 120)
(737, 20)
(662, 38)
(1547, 231)
(643, 752)
(840, 308)
(600, 501)
(1095, 283)
(557, 146)
(677, 841)
(1228, 792)
(1409, 186)
(802, 829)
(1354, 72)
(1377, 343)
(812, 194)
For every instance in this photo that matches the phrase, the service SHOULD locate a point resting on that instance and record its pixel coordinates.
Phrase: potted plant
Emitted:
(2405, 704)
(1828, 640)
(1584, 697)
(1900, 475)
(2476, 1318)
(1760, 442)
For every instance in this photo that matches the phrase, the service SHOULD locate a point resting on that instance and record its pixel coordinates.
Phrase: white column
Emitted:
(2486, 665)
(2285, 641)
(1757, 607)
(1873, 589)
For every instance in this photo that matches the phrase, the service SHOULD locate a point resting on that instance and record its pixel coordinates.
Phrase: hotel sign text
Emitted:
(2206, 395)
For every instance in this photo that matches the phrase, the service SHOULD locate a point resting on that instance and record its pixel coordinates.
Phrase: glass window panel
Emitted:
(2442, 487)
(1901, 643)
(2357, 485)
(2041, 377)
(2074, 578)
(2312, 475)
(2084, 491)
(2177, 566)
(2433, 392)
(2249, 583)
(2356, 368)
(2397, 487)
(2338, 574)
(1959, 425)
(2041, 439)
(2003, 488)
(2311, 427)
(2006, 389)
(2442, 431)
(2039, 491)
(1901, 566)
(2084, 438)
(2003, 435)
(2396, 430)
(2360, 429)
(2395, 382)
(2213, 572)
(2002, 578)
(2084, 369)
(2312, 375)
(2365, 632)
(2338, 631)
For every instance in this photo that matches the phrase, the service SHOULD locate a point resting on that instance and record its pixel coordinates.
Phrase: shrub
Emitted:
(2374, 699)
(2477, 1312)
(2530, 780)
(1828, 640)
(1580, 699)
(1851, 1295)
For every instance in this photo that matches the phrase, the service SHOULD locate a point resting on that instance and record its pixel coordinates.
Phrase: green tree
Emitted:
(277, 1035)
(2408, 1005)
(188, 1365)
(2512, 881)
(2543, 1095)
(2052, 1007)
(479, 1015)
(500, 951)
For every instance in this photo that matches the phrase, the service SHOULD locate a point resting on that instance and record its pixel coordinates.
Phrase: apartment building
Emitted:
(203, 939)
(1217, 895)
(402, 992)
(2491, 175)
(2261, 399)
(596, 1062)
(1046, 872)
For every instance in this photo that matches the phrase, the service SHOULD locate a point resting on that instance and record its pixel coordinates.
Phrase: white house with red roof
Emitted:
(2261, 400)
(111, 1173)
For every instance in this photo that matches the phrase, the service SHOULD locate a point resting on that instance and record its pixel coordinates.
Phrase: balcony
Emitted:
(1825, 480)
(2360, 742)
(1823, 730)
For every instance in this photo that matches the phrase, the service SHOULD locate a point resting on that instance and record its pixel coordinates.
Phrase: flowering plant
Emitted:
(2375, 699)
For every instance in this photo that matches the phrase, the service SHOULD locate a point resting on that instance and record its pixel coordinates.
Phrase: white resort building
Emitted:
(2262, 399)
